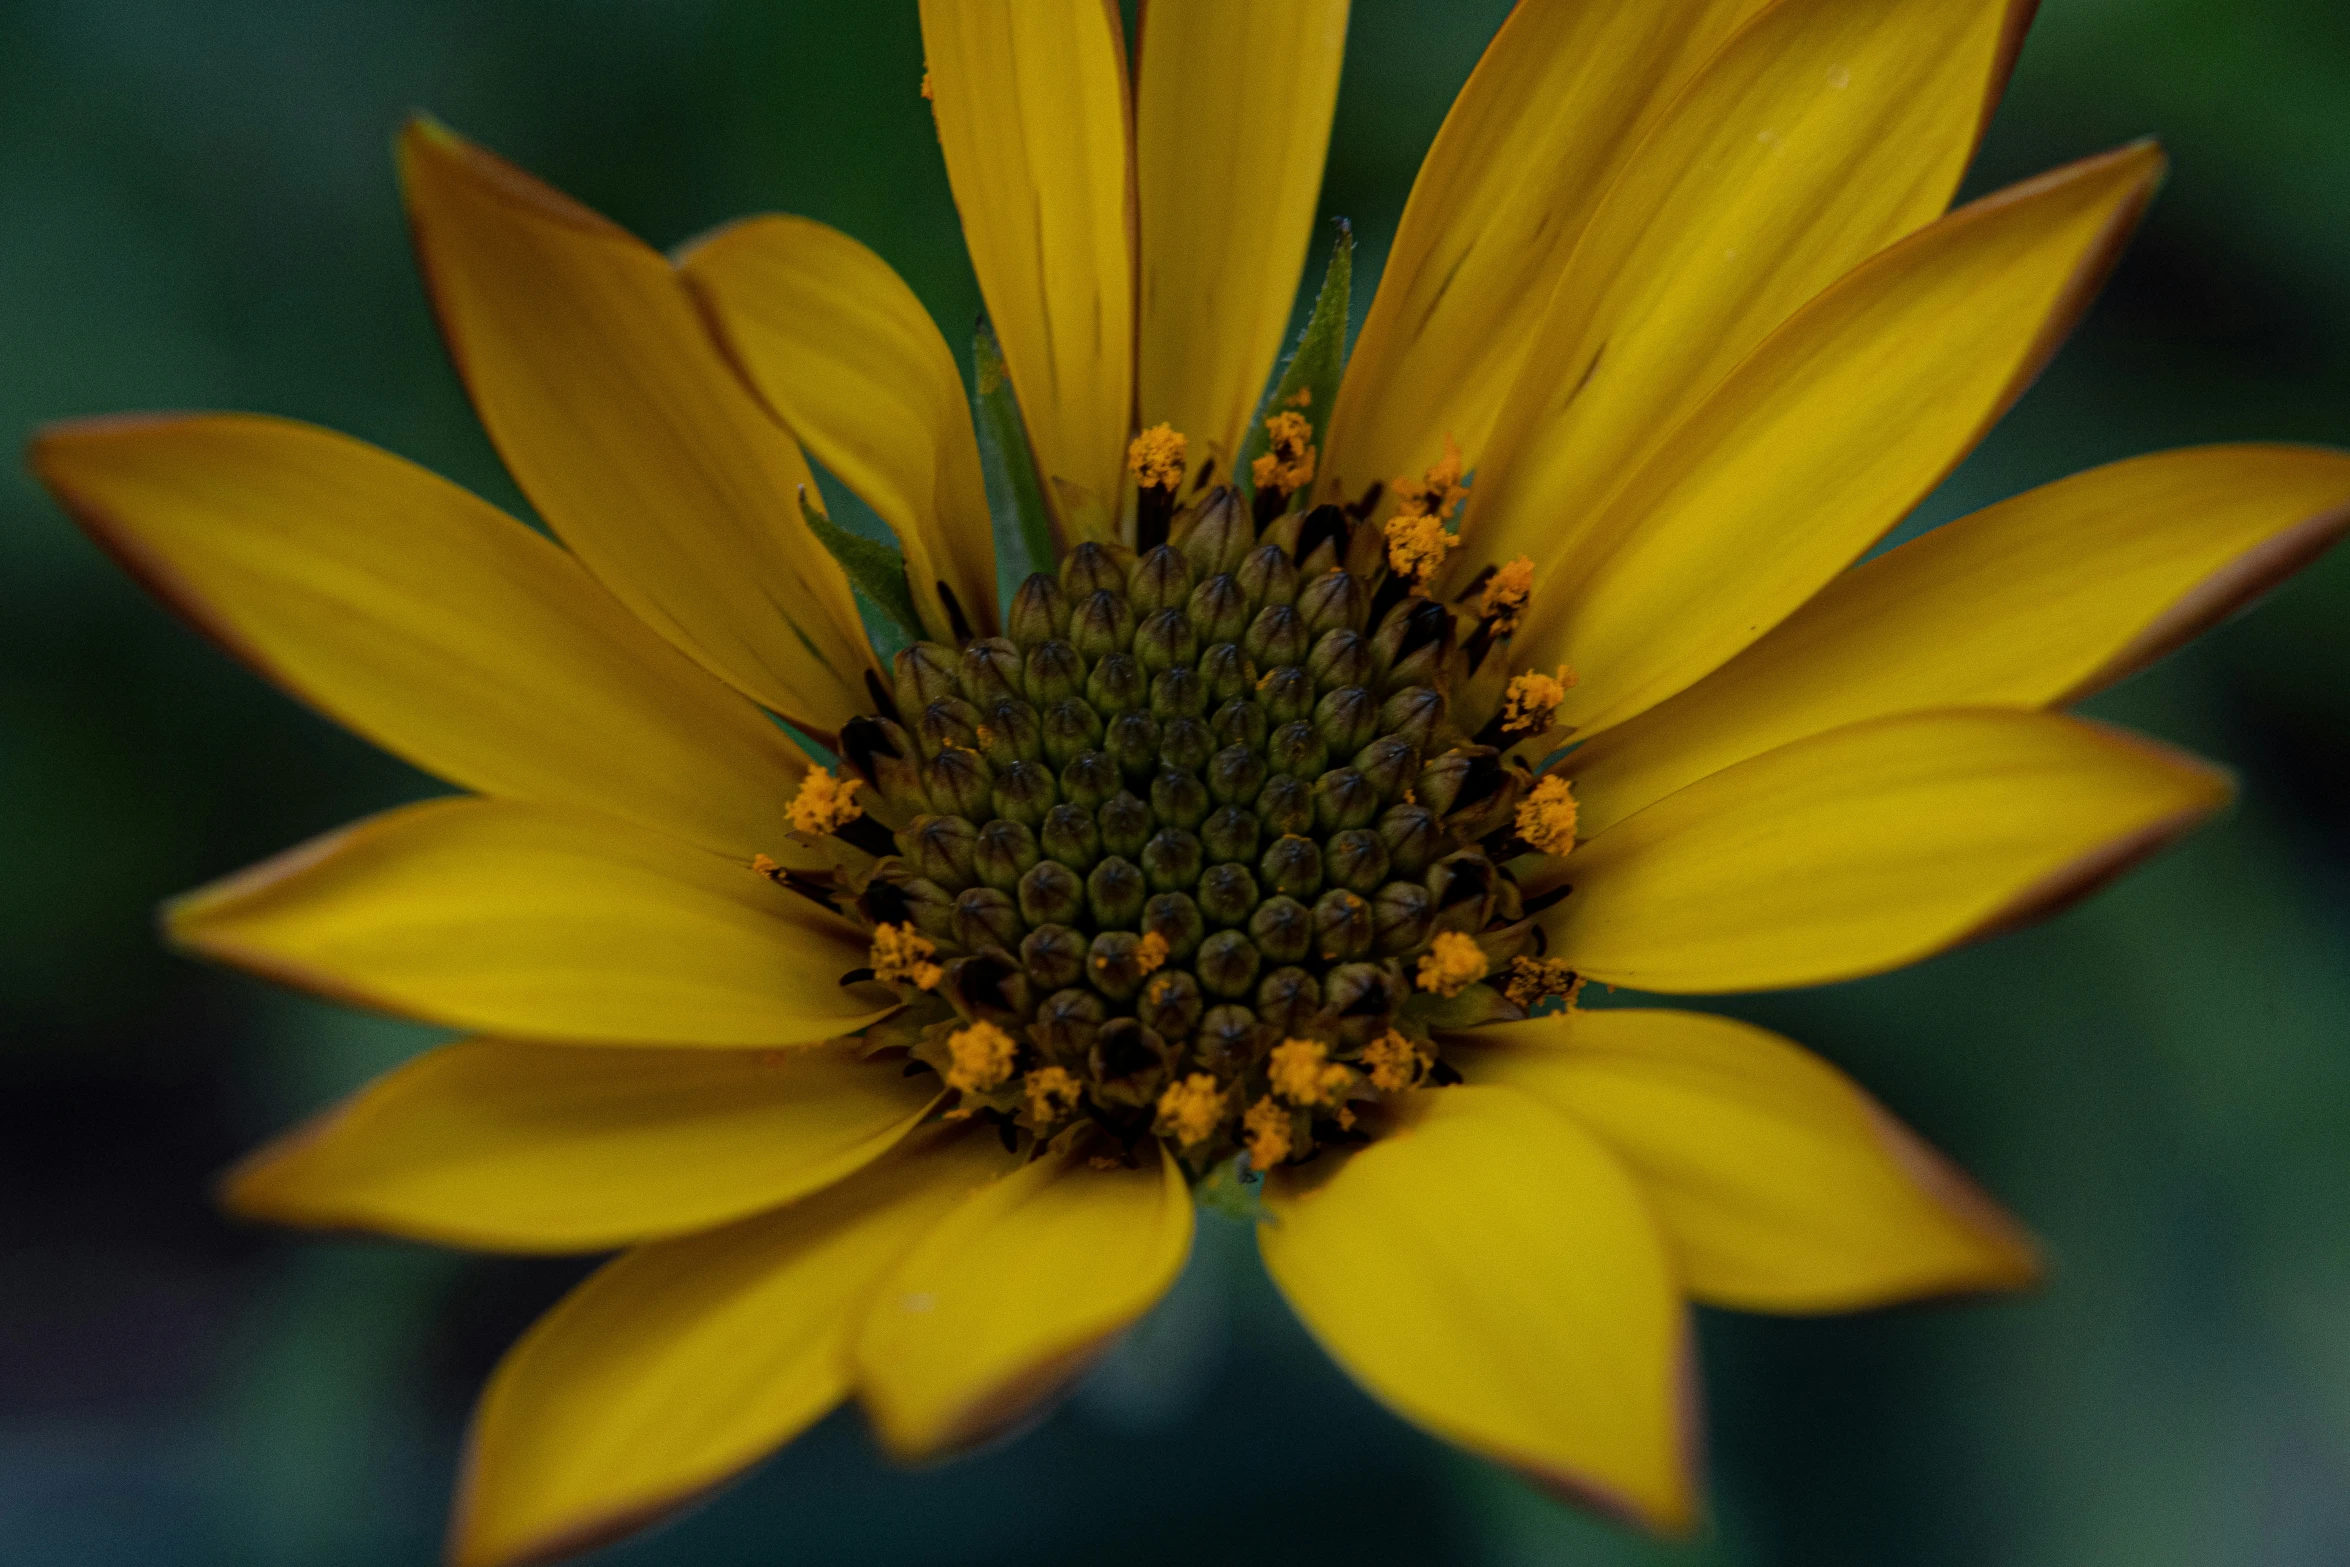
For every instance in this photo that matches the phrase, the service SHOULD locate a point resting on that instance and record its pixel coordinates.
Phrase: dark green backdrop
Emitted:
(197, 210)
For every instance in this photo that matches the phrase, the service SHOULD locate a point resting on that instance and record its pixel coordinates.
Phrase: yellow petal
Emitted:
(1781, 1186)
(1868, 847)
(2036, 601)
(1232, 117)
(613, 410)
(526, 1147)
(533, 922)
(837, 344)
(1494, 1274)
(1562, 95)
(1030, 98)
(682, 1363)
(1819, 135)
(425, 619)
(1012, 1293)
(1837, 425)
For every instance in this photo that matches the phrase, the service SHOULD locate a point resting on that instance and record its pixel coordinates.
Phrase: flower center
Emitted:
(1200, 850)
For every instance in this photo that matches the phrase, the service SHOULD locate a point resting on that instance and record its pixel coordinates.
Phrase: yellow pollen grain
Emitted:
(1505, 594)
(1303, 1073)
(1417, 545)
(1155, 457)
(1190, 1111)
(1048, 1095)
(1303, 397)
(984, 735)
(823, 804)
(1396, 1063)
(1436, 492)
(1546, 817)
(981, 1058)
(1454, 963)
(901, 956)
(1532, 698)
(1267, 1126)
(766, 867)
(1150, 953)
(1533, 979)
(1289, 466)
(927, 95)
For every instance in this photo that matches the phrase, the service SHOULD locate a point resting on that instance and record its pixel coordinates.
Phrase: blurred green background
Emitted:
(197, 210)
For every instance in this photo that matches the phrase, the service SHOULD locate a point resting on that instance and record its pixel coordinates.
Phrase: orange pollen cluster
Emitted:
(1289, 466)
(1506, 593)
(1532, 698)
(1303, 1073)
(1267, 1126)
(1396, 1063)
(1190, 1111)
(1155, 457)
(1417, 545)
(823, 804)
(1546, 817)
(1416, 539)
(1532, 979)
(1049, 1093)
(901, 956)
(981, 1058)
(1150, 953)
(1454, 963)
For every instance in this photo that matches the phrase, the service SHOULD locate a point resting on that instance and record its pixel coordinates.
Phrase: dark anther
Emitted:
(867, 834)
(1323, 525)
(957, 621)
(1443, 1074)
(915, 1069)
(1542, 902)
(883, 703)
(1008, 1135)
(1367, 502)
(855, 976)
(815, 892)
(862, 740)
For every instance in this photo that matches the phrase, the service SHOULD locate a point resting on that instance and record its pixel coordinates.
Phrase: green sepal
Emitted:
(1015, 501)
(874, 569)
(1314, 368)
(1226, 1191)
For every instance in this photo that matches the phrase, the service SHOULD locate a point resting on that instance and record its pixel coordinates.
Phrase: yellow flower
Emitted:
(1672, 332)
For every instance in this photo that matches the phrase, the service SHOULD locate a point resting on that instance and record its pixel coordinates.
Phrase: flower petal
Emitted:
(837, 344)
(680, 1364)
(1537, 135)
(532, 922)
(526, 1147)
(1232, 118)
(616, 414)
(1829, 432)
(1030, 98)
(2036, 601)
(1821, 133)
(425, 619)
(1494, 1274)
(1780, 1184)
(1868, 847)
(1013, 1292)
